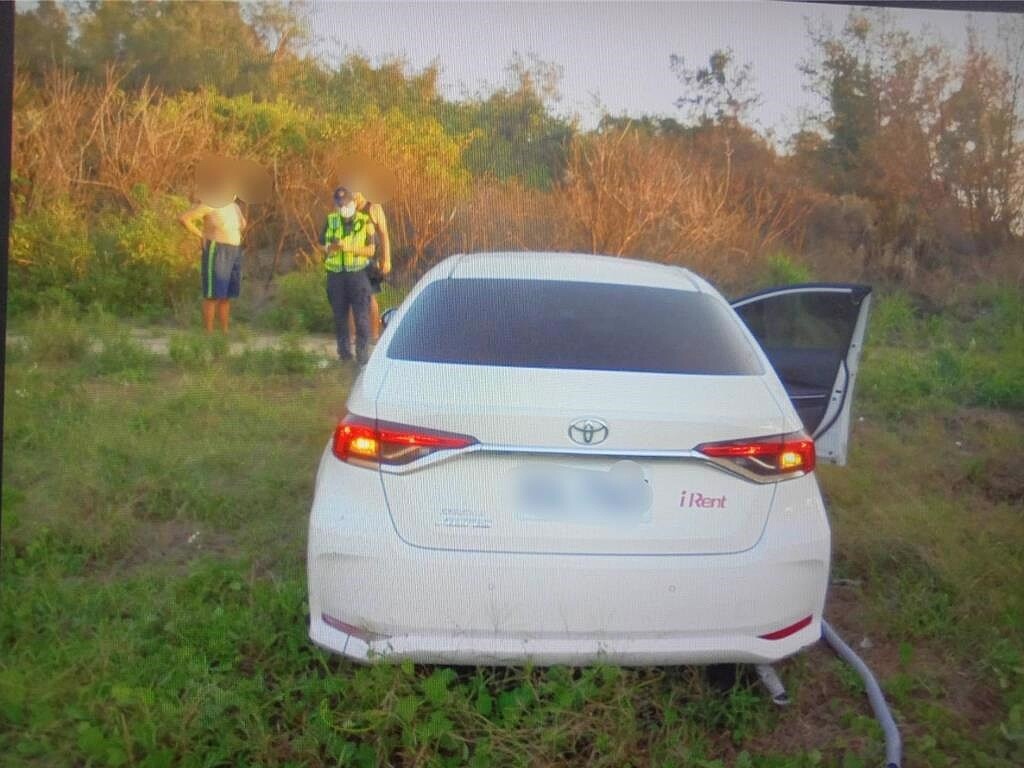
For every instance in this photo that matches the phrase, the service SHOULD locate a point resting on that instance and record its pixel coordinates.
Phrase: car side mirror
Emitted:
(386, 317)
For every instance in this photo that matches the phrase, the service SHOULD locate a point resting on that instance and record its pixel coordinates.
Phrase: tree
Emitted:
(719, 93)
(517, 136)
(883, 90)
(281, 26)
(620, 187)
(978, 156)
(807, 156)
(356, 84)
(41, 39)
(1012, 32)
(173, 46)
(283, 29)
(843, 77)
(664, 127)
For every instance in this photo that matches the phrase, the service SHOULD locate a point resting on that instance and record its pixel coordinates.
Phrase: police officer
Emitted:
(348, 245)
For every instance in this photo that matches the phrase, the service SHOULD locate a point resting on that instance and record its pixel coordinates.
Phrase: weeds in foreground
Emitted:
(55, 336)
(197, 351)
(288, 358)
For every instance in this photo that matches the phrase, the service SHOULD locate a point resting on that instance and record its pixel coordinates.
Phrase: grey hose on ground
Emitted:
(893, 743)
(770, 680)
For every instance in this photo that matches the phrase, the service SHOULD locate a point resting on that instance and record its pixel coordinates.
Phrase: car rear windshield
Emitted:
(575, 325)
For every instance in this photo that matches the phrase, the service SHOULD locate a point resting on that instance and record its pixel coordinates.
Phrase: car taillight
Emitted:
(765, 459)
(382, 442)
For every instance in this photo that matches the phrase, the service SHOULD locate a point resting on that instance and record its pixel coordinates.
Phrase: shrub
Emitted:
(50, 251)
(144, 263)
(781, 269)
(133, 265)
(300, 304)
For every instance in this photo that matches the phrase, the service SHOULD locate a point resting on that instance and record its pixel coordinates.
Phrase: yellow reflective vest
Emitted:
(348, 233)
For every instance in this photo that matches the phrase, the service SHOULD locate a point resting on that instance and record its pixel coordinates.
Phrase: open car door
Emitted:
(813, 334)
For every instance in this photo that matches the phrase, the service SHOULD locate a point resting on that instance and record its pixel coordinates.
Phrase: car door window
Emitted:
(801, 320)
(806, 332)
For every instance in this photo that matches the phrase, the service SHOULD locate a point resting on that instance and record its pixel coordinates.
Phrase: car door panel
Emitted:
(813, 334)
(803, 369)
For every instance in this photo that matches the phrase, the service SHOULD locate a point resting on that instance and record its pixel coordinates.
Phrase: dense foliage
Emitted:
(912, 173)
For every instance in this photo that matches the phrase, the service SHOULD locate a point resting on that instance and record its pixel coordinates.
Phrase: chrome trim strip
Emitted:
(771, 293)
(440, 456)
(575, 451)
(723, 465)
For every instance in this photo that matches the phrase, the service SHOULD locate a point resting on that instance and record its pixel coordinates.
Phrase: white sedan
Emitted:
(566, 458)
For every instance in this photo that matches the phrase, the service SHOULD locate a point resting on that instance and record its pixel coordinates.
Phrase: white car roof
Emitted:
(583, 267)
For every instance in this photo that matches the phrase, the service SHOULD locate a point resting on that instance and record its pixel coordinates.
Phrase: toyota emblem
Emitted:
(588, 431)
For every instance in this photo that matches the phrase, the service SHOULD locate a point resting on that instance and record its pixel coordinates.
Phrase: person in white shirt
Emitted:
(221, 256)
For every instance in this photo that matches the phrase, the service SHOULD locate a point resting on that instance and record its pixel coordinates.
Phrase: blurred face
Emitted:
(345, 204)
(215, 182)
(215, 195)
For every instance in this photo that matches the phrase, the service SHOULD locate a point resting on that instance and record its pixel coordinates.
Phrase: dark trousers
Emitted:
(345, 290)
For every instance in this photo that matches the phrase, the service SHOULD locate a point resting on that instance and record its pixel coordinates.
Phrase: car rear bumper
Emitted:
(434, 606)
(621, 650)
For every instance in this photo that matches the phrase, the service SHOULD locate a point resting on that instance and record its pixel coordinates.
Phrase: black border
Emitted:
(6, 128)
(965, 6)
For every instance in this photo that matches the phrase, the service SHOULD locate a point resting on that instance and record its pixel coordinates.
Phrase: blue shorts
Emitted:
(221, 270)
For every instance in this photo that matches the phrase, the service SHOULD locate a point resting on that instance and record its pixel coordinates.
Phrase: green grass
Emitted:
(197, 351)
(972, 355)
(289, 358)
(153, 586)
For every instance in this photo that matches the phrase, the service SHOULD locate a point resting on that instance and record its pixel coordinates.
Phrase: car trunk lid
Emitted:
(530, 486)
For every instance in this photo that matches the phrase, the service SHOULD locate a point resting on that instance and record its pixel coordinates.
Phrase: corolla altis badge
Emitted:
(588, 431)
(463, 518)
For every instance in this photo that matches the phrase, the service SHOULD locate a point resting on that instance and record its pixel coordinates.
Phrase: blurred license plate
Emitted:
(619, 494)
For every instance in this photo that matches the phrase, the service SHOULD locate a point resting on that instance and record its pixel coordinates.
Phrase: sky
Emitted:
(612, 51)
